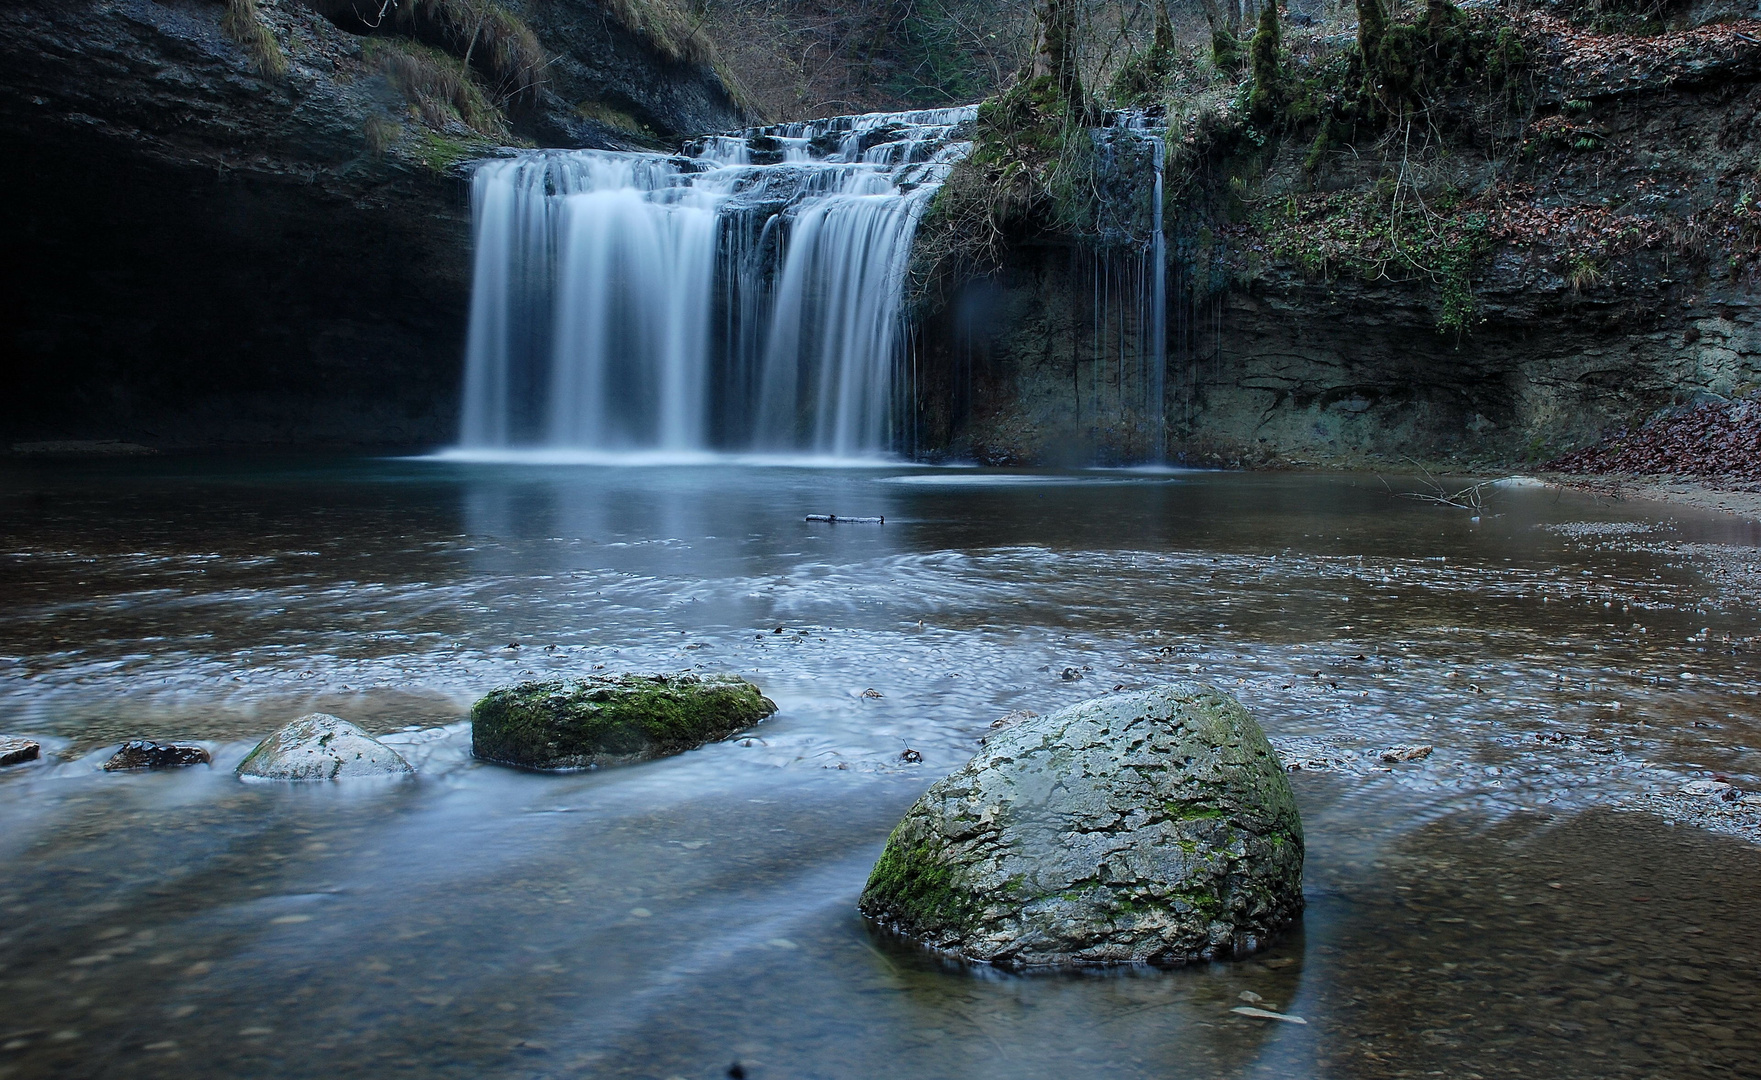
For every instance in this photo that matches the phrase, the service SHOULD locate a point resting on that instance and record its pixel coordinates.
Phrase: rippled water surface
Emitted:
(1496, 909)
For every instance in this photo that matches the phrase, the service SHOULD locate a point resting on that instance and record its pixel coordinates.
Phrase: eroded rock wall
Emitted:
(203, 253)
(1620, 278)
(1027, 367)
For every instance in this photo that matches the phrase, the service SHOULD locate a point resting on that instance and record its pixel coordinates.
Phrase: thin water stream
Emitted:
(1497, 909)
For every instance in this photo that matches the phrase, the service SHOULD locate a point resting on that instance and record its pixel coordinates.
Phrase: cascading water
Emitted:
(745, 296)
(1131, 283)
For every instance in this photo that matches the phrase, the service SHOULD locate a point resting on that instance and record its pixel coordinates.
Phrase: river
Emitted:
(1505, 907)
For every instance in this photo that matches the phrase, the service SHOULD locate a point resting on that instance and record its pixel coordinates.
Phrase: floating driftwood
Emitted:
(834, 519)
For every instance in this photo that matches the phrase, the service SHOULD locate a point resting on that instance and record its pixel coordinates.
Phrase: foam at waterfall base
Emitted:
(649, 459)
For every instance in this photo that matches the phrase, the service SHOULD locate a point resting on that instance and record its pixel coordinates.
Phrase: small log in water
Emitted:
(833, 519)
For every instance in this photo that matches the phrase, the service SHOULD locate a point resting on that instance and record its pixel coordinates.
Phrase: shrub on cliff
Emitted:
(1142, 80)
(1031, 156)
(244, 24)
(438, 87)
(488, 39)
(670, 29)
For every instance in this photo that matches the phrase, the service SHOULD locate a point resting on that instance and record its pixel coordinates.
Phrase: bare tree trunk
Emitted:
(1054, 52)
(1372, 21)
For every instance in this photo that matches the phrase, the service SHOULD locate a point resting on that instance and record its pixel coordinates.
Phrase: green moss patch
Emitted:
(1379, 237)
(610, 720)
(914, 888)
(617, 119)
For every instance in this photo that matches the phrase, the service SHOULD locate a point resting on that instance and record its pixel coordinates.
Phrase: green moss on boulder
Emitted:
(1154, 827)
(914, 881)
(611, 720)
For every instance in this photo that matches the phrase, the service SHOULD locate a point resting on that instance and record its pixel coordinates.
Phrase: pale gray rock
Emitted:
(1151, 827)
(17, 751)
(321, 747)
(1712, 789)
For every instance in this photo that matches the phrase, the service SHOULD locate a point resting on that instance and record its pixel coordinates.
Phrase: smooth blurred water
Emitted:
(747, 295)
(1485, 911)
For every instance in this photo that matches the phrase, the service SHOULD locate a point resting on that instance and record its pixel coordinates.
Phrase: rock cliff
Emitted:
(1495, 280)
(245, 222)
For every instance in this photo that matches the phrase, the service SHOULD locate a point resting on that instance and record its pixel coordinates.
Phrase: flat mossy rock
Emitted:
(319, 746)
(611, 719)
(1155, 827)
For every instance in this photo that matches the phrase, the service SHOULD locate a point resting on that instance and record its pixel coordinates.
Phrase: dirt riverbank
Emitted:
(1739, 498)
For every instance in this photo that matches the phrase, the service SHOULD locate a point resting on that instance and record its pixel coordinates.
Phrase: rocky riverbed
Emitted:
(1562, 664)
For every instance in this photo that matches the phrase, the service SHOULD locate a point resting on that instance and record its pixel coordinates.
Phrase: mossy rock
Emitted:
(611, 719)
(1156, 827)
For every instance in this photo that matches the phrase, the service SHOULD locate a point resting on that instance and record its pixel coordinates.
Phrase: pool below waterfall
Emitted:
(1520, 903)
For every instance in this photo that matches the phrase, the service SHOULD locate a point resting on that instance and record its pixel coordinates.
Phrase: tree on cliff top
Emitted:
(1055, 47)
(1268, 79)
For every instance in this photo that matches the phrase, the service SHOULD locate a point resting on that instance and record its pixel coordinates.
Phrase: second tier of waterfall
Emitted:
(744, 296)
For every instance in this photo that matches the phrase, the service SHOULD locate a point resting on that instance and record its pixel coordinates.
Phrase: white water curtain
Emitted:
(634, 301)
(594, 313)
(837, 310)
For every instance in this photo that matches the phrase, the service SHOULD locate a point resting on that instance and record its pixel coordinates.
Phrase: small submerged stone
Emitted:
(1150, 827)
(146, 754)
(17, 751)
(321, 747)
(1267, 1014)
(1006, 720)
(1712, 789)
(611, 719)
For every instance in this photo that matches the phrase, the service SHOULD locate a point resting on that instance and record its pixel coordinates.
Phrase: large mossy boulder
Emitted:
(611, 719)
(1155, 827)
(319, 746)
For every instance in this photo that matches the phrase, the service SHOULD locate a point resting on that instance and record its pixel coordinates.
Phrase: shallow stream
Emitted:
(1521, 903)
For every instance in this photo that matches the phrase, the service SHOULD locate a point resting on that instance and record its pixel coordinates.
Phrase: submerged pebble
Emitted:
(1716, 789)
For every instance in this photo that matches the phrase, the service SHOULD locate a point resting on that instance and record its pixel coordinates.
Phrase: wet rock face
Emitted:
(1152, 827)
(321, 747)
(168, 179)
(1285, 366)
(17, 751)
(611, 720)
(144, 754)
(597, 60)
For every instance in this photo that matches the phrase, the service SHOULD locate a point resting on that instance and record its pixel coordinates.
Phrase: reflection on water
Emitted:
(1480, 912)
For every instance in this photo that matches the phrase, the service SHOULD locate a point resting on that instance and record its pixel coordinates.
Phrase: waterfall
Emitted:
(1131, 287)
(744, 295)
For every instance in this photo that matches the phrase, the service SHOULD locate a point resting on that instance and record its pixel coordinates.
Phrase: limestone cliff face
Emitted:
(209, 247)
(1026, 367)
(1615, 274)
